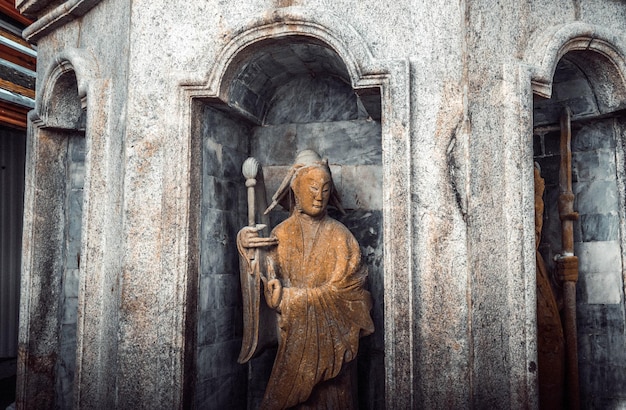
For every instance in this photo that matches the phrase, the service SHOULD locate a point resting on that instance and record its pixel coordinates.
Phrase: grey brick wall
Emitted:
(600, 297)
(221, 381)
(66, 365)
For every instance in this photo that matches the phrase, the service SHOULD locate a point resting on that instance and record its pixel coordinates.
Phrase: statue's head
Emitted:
(308, 187)
(312, 186)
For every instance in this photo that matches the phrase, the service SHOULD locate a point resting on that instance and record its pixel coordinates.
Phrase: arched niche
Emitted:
(587, 82)
(549, 46)
(588, 77)
(280, 96)
(64, 109)
(52, 256)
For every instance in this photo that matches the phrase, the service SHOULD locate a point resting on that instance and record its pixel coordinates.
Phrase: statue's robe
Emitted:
(550, 340)
(550, 343)
(323, 311)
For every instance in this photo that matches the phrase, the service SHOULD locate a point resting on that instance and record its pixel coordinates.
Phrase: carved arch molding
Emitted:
(84, 67)
(547, 49)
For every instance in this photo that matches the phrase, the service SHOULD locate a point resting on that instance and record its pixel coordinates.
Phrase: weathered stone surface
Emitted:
(596, 197)
(594, 166)
(342, 142)
(601, 353)
(599, 227)
(306, 94)
(601, 288)
(599, 256)
(271, 144)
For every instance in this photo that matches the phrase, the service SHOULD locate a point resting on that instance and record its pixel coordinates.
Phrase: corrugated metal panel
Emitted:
(18, 65)
(12, 153)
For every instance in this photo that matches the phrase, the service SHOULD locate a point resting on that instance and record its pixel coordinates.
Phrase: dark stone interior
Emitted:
(66, 366)
(64, 110)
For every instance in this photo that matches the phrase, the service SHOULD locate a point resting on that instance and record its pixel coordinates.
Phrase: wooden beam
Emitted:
(12, 115)
(18, 89)
(16, 57)
(7, 7)
(13, 53)
(567, 262)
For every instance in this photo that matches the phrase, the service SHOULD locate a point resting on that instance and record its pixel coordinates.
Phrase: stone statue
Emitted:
(550, 339)
(313, 281)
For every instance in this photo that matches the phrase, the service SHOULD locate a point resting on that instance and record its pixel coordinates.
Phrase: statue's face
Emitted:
(312, 190)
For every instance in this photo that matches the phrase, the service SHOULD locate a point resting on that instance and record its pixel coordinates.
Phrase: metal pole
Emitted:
(567, 263)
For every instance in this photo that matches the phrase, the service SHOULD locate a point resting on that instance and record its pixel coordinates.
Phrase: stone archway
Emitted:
(365, 76)
(288, 95)
(589, 80)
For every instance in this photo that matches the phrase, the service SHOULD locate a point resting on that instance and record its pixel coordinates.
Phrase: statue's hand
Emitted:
(272, 287)
(248, 237)
(273, 293)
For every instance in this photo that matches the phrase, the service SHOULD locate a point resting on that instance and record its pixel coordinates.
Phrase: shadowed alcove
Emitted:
(592, 87)
(280, 96)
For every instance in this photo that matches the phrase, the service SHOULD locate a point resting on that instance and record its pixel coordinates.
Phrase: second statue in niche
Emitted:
(313, 285)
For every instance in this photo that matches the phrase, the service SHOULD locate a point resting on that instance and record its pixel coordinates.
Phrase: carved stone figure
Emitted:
(550, 339)
(313, 279)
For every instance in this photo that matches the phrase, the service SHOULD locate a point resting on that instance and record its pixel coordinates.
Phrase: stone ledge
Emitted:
(52, 17)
